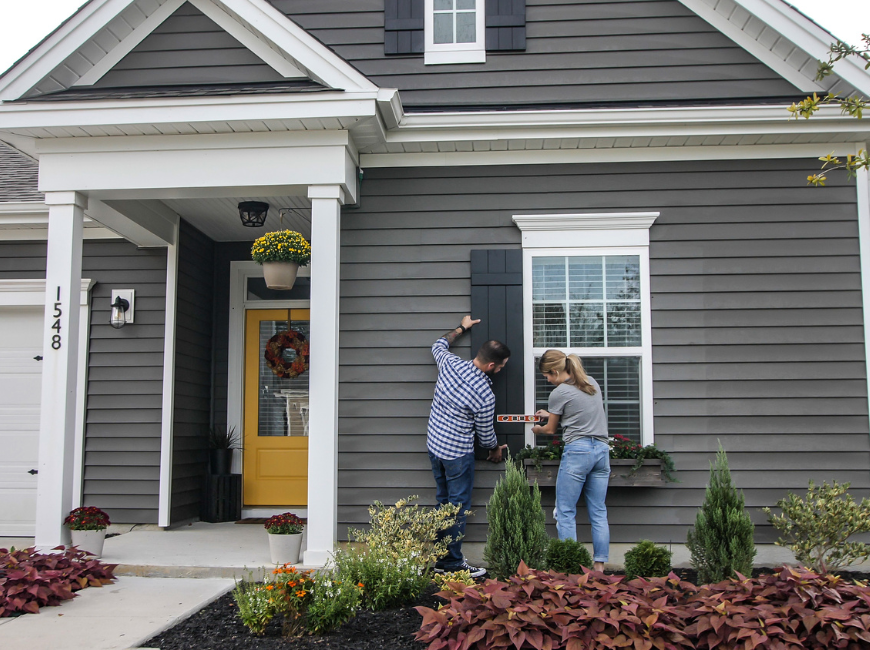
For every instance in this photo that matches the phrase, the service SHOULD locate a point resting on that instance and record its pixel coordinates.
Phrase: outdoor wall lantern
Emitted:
(122, 307)
(253, 213)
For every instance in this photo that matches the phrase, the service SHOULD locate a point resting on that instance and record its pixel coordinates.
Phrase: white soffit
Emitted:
(101, 27)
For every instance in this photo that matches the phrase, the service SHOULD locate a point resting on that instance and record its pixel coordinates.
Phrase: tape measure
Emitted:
(517, 418)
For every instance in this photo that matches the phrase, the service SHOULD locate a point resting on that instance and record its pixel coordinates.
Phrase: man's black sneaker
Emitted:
(475, 572)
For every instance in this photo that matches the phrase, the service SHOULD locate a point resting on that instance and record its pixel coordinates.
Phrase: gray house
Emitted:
(617, 178)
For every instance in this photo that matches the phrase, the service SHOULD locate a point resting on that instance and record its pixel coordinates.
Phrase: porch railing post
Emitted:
(57, 422)
(323, 386)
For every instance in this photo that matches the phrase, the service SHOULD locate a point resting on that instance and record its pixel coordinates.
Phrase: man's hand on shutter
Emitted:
(467, 322)
(495, 455)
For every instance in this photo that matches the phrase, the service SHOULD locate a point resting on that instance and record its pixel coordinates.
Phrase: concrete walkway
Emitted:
(122, 615)
(199, 550)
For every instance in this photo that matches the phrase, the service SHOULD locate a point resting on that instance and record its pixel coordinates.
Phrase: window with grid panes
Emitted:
(591, 306)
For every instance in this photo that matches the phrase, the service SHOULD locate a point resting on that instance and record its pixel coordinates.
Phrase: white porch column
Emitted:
(323, 386)
(57, 423)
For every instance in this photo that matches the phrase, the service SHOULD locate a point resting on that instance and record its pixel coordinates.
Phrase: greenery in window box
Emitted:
(282, 246)
(620, 448)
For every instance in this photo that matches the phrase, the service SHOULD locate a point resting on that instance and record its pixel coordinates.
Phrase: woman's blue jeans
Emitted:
(585, 468)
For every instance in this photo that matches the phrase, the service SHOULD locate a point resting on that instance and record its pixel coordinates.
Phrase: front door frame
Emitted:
(240, 271)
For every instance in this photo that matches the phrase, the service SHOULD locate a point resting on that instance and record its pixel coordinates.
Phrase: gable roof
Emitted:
(103, 32)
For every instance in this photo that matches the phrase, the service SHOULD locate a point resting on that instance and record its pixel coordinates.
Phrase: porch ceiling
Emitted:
(219, 217)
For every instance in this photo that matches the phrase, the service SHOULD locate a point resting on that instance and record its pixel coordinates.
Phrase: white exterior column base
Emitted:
(323, 385)
(57, 424)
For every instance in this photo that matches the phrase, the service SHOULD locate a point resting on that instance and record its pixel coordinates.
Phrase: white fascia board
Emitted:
(596, 117)
(322, 63)
(756, 49)
(638, 154)
(390, 107)
(814, 40)
(206, 141)
(59, 46)
(23, 213)
(41, 115)
(122, 49)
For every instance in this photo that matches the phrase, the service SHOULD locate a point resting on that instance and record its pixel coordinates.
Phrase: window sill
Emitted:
(441, 57)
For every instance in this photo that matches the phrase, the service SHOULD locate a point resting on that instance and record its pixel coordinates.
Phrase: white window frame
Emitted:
(588, 235)
(445, 53)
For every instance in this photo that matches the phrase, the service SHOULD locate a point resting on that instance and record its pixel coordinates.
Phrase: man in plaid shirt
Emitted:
(463, 406)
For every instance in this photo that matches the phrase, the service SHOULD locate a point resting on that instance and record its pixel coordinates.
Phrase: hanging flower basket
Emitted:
(281, 253)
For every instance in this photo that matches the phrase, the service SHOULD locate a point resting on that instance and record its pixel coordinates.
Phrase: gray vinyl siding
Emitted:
(583, 52)
(125, 373)
(193, 368)
(188, 48)
(757, 326)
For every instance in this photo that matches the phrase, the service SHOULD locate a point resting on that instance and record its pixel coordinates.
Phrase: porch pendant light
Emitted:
(119, 313)
(253, 213)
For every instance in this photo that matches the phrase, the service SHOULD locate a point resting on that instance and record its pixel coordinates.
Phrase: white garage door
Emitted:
(20, 387)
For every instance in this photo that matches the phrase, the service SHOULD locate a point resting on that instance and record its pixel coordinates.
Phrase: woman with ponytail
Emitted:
(585, 468)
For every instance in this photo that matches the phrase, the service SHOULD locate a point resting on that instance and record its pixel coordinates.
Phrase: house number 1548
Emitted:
(56, 341)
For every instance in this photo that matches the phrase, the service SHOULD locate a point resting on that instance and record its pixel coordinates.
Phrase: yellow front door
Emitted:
(276, 414)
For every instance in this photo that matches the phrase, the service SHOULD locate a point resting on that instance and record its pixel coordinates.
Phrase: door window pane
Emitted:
(282, 401)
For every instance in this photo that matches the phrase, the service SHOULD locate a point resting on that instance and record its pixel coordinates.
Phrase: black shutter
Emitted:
(505, 25)
(403, 27)
(497, 299)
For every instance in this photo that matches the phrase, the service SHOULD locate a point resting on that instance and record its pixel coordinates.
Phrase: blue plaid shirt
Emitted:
(464, 404)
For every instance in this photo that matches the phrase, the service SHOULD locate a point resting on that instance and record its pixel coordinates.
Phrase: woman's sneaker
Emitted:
(475, 572)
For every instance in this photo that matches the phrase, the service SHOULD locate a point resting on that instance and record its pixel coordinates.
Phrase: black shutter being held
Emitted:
(505, 25)
(497, 299)
(403, 27)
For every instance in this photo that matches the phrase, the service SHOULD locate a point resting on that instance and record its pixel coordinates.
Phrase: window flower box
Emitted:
(649, 474)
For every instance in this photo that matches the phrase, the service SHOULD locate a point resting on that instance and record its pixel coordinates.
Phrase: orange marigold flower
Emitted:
(291, 583)
(360, 584)
(269, 587)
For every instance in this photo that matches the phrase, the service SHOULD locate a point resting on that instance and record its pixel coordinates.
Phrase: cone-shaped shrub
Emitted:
(722, 540)
(516, 524)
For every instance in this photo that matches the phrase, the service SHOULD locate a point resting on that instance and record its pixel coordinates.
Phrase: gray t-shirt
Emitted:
(580, 414)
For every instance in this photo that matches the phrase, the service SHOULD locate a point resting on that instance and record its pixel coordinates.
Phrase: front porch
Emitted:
(154, 207)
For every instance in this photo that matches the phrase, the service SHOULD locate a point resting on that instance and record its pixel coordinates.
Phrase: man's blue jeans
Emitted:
(453, 482)
(585, 468)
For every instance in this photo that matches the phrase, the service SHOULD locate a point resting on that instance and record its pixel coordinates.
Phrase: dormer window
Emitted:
(455, 31)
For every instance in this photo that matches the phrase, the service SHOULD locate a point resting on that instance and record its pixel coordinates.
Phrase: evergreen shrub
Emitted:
(567, 556)
(517, 532)
(721, 543)
(647, 560)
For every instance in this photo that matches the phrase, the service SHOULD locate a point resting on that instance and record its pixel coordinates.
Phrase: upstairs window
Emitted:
(455, 31)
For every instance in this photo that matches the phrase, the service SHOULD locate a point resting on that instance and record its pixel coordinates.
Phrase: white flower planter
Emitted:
(90, 541)
(280, 275)
(285, 549)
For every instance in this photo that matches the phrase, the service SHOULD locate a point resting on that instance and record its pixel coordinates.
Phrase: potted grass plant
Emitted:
(285, 537)
(87, 527)
(221, 443)
(281, 253)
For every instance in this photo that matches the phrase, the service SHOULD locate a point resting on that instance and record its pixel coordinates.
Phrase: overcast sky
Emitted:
(26, 22)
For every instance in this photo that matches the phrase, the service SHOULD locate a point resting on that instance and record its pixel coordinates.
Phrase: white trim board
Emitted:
(862, 185)
(167, 414)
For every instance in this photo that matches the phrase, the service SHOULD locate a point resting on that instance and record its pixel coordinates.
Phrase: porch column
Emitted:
(323, 386)
(57, 422)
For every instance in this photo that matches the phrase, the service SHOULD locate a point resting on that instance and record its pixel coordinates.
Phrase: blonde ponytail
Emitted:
(560, 362)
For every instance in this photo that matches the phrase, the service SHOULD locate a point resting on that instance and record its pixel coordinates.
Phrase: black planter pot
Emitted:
(220, 460)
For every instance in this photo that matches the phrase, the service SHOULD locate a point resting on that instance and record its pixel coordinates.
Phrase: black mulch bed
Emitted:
(217, 627)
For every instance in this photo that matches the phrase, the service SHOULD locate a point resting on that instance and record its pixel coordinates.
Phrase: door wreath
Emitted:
(274, 354)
